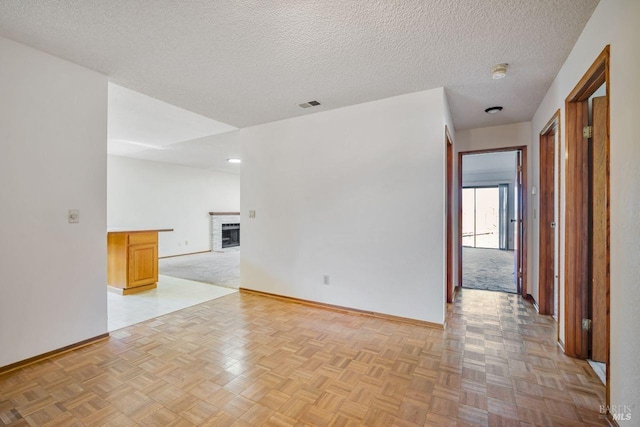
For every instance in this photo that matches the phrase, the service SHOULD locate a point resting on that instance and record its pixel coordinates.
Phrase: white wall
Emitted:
(614, 22)
(448, 121)
(513, 135)
(355, 193)
(147, 194)
(53, 134)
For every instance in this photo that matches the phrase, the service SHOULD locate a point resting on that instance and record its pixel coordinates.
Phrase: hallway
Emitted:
(263, 361)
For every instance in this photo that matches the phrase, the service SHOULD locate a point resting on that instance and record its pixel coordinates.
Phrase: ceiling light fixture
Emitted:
(232, 160)
(499, 71)
(493, 110)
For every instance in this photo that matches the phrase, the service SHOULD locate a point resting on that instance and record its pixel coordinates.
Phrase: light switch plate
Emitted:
(252, 214)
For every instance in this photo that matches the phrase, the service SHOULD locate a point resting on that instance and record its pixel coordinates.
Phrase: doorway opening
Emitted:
(158, 273)
(448, 142)
(587, 280)
(491, 226)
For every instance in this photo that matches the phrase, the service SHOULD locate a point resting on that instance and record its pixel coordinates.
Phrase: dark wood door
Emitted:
(547, 224)
(599, 237)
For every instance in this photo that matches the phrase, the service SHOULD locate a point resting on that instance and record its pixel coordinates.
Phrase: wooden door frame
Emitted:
(546, 292)
(523, 195)
(448, 141)
(577, 205)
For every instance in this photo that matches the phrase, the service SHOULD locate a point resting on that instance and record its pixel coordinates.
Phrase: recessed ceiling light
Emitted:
(499, 71)
(232, 160)
(493, 110)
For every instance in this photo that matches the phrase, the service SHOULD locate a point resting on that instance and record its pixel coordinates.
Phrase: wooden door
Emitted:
(517, 229)
(143, 264)
(547, 224)
(599, 240)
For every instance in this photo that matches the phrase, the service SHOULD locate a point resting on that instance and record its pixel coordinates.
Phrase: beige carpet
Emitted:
(489, 269)
(222, 269)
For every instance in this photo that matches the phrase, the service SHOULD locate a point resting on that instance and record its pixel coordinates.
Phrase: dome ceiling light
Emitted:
(499, 71)
(493, 110)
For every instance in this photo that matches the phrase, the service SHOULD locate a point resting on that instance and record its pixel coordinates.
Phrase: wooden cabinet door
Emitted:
(143, 265)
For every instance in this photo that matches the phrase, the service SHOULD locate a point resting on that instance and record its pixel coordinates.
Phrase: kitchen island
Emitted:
(132, 259)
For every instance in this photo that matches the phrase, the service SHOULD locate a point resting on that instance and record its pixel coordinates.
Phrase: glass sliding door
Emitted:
(504, 216)
(469, 217)
(481, 217)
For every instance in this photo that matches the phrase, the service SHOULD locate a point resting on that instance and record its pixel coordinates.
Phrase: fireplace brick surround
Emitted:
(216, 219)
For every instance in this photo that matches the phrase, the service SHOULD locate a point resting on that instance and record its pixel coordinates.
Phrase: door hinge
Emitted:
(587, 132)
(586, 324)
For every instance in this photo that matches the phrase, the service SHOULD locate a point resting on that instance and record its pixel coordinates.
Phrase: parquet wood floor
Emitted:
(248, 360)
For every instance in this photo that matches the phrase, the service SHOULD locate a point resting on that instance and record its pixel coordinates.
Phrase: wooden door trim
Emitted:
(577, 211)
(523, 239)
(448, 141)
(545, 291)
(459, 284)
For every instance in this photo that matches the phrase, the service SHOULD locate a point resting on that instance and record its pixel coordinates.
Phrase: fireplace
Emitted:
(225, 231)
(230, 235)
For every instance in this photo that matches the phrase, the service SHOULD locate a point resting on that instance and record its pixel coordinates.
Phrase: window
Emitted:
(481, 217)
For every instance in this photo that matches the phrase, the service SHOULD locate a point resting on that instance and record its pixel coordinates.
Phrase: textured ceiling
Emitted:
(246, 62)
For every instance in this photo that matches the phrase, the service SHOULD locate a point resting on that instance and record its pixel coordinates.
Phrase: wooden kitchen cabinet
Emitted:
(132, 260)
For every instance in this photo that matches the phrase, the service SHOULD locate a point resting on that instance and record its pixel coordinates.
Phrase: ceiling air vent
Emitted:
(309, 104)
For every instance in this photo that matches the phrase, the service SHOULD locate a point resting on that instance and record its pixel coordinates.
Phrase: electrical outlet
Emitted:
(326, 279)
(73, 216)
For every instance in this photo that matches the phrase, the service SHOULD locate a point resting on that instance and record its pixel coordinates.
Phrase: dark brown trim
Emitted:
(524, 245)
(552, 124)
(223, 213)
(547, 196)
(343, 309)
(50, 354)
(595, 76)
(494, 150)
(577, 207)
(448, 142)
(524, 238)
(190, 253)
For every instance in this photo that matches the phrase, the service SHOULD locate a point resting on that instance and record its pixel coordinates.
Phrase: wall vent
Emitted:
(309, 104)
